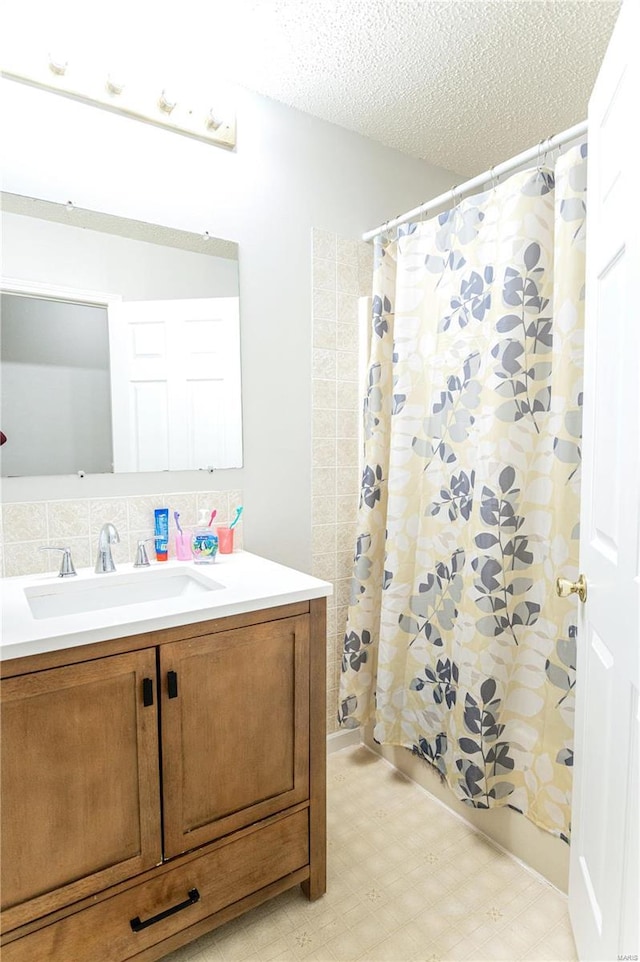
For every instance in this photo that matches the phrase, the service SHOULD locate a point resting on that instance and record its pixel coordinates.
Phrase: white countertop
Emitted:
(248, 584)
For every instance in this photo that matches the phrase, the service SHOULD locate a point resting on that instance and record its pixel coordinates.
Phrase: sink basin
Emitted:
(71, 597)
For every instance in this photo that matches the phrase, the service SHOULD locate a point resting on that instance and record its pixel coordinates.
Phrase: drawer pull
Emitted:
(192, 897)
(172, 684)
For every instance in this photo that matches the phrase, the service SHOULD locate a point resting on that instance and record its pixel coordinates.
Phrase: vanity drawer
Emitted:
(103, 932)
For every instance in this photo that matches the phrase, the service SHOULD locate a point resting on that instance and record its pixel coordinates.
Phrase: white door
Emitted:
(175, 384)
(603, 884)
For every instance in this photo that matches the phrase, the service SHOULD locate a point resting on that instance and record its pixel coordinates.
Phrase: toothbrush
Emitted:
(237, 517)
(213, 514)
(176, 518)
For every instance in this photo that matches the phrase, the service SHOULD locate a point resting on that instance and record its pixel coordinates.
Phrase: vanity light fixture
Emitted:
(86, 82)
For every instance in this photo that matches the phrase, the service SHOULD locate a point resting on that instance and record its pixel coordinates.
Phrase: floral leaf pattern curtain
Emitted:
(456, 644)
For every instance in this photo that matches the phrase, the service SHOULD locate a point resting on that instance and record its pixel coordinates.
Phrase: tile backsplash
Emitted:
(29, 526)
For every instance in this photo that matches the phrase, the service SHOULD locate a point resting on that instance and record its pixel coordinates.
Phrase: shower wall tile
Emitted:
(325, 424)
(348, 251)
(347, 395)
(324, 567)
(323, 510)
(347, 335)
(344, 508)
(323, 482)
(346, 365)
(324, 244)
(346, 453)
(343, 590)
(347, 278)
(347, 308)
(324, 305)
(324, 335)
(324, 363)
(324, 453)
(324, 394)
(342, 269)
(75, 523)
(324, 273)
(349, 480)
(347, 424)
(323, 538)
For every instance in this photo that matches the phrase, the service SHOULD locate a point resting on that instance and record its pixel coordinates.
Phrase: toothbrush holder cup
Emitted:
(183, 546)
(225, 539)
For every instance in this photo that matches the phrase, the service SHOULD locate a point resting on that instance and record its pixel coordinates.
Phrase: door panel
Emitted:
(80, 782)
(603, 883)
(175, 384)
(235, 717)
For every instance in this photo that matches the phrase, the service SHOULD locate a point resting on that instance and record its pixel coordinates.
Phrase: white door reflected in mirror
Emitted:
(175, 370)
(144, 377)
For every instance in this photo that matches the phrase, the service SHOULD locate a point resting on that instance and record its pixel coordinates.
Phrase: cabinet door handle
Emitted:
(147, 692)
(193, 896)
(172, 684)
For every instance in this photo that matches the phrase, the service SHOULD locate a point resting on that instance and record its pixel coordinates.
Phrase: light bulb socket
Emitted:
(166, 103)
(113, 85)
(58, 66)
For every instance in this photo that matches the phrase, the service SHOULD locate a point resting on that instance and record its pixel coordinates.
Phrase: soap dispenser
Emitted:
(204, 543)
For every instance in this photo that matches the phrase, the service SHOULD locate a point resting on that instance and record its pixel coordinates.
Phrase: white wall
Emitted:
(289, 173)
(55, 390)
(92, 260)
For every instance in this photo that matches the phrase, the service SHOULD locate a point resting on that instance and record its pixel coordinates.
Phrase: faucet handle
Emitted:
(142, 558)
(66, 565)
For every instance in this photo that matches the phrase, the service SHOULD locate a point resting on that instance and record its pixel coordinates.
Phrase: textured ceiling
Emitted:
(464, 84)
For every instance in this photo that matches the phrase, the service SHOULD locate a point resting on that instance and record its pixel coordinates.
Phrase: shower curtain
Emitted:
(456, 644)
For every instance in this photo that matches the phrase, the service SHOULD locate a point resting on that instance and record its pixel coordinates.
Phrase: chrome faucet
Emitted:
(67, 569)
(108, 536)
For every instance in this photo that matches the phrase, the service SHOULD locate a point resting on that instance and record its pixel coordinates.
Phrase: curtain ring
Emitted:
(494, 179)
(455, 195)
(540, 154)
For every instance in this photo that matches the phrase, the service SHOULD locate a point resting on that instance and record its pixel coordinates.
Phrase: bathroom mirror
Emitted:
(120, 345)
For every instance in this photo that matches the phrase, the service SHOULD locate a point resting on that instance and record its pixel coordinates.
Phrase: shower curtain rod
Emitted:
(532, 154)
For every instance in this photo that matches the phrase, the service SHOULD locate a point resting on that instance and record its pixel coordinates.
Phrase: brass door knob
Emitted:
(564, 587)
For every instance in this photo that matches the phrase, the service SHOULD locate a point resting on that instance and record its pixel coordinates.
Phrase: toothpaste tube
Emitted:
(161, 533)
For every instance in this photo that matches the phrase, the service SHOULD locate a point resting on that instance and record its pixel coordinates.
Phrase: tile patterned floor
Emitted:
(408, 882)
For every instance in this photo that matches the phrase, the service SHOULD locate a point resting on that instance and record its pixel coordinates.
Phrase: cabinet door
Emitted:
(80, 782)
(235, 729)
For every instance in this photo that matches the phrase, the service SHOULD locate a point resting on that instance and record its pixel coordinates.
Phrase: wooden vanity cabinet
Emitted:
(148, 795)
(80, 786)
(235, 729)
